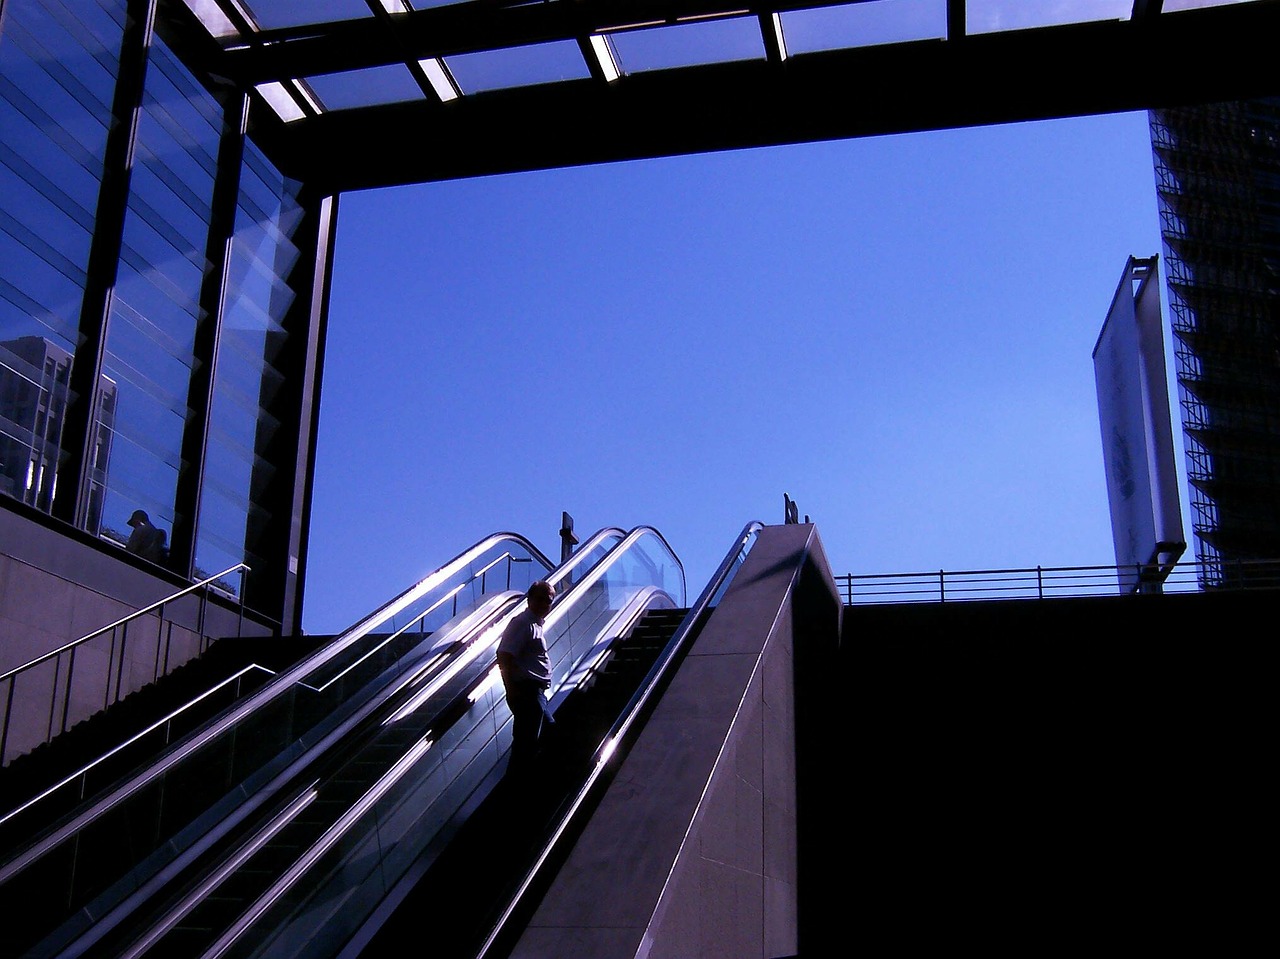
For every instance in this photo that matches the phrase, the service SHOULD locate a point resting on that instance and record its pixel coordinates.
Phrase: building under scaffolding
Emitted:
(1218, 182)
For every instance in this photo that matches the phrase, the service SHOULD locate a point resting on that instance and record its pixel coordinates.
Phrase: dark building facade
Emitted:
(1218, 184)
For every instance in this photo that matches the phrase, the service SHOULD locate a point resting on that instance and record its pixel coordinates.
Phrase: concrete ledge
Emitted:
(693, 850)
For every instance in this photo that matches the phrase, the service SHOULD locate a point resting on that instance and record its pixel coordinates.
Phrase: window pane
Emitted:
(689, 44)
(864, 25)
(57, 79)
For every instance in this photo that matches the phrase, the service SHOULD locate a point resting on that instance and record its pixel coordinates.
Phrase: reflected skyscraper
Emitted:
(34, 383)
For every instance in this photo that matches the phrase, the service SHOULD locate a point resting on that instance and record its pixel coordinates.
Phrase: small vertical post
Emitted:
(244, 586)
(8, 714)
(567, 539)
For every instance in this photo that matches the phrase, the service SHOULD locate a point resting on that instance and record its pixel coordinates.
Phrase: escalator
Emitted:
(311, 844)
(83, 851)
(462, 897)
(475, 897)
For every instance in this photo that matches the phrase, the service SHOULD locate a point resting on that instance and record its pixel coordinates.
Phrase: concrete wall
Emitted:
(55, 588)
(1035, 776)
(693, 850)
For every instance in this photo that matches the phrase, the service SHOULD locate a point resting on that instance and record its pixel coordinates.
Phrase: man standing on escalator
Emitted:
(526, 673)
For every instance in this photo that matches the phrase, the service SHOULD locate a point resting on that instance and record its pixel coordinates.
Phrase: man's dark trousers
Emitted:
(524, 699)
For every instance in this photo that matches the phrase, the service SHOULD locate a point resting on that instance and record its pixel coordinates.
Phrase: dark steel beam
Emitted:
(1220, 53)
(957, 18)
(283, 541)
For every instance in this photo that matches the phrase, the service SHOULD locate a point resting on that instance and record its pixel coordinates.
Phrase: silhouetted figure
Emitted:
(146, 540)
(526, 674)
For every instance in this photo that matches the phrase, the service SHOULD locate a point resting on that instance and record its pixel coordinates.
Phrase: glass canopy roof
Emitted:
(637, 37)
(338, 58)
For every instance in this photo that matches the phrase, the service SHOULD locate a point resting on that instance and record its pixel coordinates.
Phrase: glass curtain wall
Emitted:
(155, 307)
(58, 67)
(186, 415)
(247, 384)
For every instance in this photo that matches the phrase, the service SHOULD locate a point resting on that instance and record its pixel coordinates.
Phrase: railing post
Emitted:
(124, 645)
(942, 587)
(8, 714)
(244, 587)
(1039, 583)
(66, 696)
(155, 663)
(53, 700)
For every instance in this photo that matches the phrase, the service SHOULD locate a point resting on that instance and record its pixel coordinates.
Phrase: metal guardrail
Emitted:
(115, 636)
(1046, 582)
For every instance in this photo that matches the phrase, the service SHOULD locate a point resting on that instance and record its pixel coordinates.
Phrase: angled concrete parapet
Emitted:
(696, 848)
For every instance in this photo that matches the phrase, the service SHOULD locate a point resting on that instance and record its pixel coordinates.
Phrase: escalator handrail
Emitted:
(617, 732)
(464, 635)
(719, 580)
(474, 649)
(476, 622)
(636, 533)
(280, 685)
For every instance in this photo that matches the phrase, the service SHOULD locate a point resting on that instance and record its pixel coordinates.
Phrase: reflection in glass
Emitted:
(57, 80)
(259, 296)
(155, 305)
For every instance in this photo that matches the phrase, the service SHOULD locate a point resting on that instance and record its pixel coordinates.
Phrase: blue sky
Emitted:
(895, 331)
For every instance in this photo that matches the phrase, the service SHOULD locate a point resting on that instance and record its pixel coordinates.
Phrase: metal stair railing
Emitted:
(114, 674)
(1045, 582)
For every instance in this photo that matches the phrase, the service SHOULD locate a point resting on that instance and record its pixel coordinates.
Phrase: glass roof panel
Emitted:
(363, 88)
(1171, 5)
(991, 16)
(863, 25)
(215, 21)
(689, 44)
(272, 14)
(278, 98)
(518, 66)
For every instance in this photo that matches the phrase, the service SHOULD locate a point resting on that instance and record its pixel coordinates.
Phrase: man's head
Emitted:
(540, 596)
